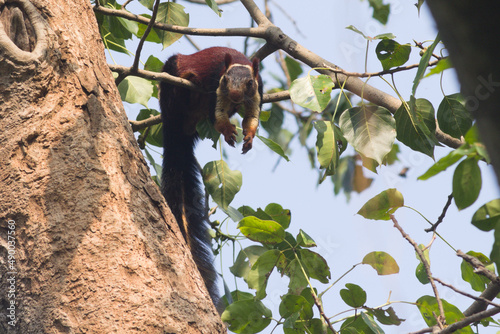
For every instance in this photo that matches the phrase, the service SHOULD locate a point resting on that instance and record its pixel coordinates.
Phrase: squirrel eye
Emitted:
(250, 84)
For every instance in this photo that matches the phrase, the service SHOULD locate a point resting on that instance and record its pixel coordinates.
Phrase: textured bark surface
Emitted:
(96, 248)
(469, 30)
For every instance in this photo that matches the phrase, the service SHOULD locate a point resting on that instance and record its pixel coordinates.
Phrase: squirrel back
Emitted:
(229, 80)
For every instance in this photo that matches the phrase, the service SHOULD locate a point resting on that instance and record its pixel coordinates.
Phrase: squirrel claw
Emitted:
(247, 146)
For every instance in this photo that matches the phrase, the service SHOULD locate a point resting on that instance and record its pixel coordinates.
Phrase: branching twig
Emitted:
(465, 293)
(135, 64)
(479, 266)
(253, 32)
(443, 214)
(377, 74)
(441, 318)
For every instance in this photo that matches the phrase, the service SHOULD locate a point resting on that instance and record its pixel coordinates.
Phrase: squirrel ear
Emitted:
(255, 66)
(228, 60)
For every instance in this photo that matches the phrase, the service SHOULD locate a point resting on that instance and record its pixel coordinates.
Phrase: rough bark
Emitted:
(469, 29)
(95, 247)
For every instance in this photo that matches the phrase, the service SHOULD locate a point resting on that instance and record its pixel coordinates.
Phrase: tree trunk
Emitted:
(469, 30)
(87, 243)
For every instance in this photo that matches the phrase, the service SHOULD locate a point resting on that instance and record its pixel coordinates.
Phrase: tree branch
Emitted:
(441, 318)
(443, 214)
(380, 73)
(463, 293)
(252, 32)
(469, 320)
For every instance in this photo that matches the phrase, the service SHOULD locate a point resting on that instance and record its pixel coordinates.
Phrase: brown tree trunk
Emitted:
(87, 243)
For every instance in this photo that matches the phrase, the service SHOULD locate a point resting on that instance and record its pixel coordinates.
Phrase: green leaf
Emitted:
(293, 67)
(371, 130)
(264, 231)
(354, 295)
(356, 325)
(477, 282)
(428, 306)
(380, 11)
(420, 272)
(419, 4)
(383, 205)
(368, 319)
(326, 146)
(171, 13)
(147, 3)
(291, 304)
(153, 64)
(392, 54)
(297, 279)
(385, 317)
(312, 92)
(448, 160)
(278, 214)
(155, 132)
(206, 129)
(304, 240)
(442, 64)
(213, 5)
(136, 90)
(495, 250)
(382, 262)
(152, 35)
(424, 63)
(315, 265)
(487, 217)
(380, 36)
(467, 183)
(276, 148)
(258, 276)
(246, 259)
(221, 182)
(453, 118)
(247, 316)
(415, 125)
(356, 30)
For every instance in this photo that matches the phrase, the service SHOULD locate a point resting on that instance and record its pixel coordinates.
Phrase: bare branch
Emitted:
(135, 64)
(480, 268)
(469, 320)
(465, 293)
(122, 70)
(252, 32)
(441, 318)
(443, 214)
(377, 74)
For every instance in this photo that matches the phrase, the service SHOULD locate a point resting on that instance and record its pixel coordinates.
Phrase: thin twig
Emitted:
(135, 64)
(465, 293)
(479, 266)
(441, 318)
(380, 73)
(443, 214)
(256, 32)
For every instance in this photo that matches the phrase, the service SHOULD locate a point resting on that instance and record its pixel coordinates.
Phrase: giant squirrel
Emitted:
(229, 80)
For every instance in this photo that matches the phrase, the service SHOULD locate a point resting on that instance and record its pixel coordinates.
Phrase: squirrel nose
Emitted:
(236, 96)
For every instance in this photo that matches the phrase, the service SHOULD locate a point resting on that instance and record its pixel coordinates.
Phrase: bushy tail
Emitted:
(180, 182)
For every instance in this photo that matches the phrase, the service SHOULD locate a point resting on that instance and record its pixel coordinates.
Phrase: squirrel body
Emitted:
(228, 80)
